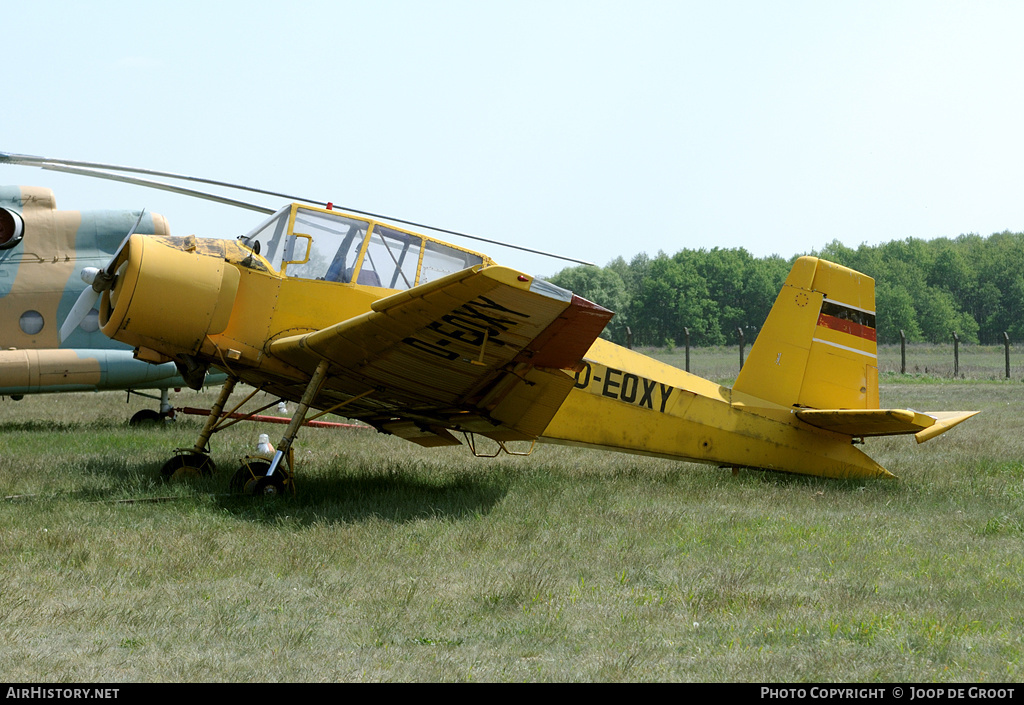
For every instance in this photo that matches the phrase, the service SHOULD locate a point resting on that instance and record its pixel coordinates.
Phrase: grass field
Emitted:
(401, 564)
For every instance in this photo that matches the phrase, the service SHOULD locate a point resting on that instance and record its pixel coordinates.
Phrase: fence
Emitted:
(953, 360)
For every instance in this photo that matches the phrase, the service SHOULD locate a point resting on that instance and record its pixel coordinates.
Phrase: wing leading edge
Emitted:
(480, 350)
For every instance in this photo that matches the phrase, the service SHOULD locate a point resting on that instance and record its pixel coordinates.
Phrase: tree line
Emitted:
(929, 289)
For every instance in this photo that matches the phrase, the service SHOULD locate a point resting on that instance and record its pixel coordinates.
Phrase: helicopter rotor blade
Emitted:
(100, 170)
(86, 171)
(94, 167)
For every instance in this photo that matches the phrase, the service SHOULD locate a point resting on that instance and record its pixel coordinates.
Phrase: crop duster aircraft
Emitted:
(43, 251)
(342, 312)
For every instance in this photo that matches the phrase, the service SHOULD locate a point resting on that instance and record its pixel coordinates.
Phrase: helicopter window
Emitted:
(333, 245)
(12, 229)
(31, 322)
(392, 257)
(440, 260)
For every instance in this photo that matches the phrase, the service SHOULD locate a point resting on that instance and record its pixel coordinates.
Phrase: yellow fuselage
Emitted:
(235, 305)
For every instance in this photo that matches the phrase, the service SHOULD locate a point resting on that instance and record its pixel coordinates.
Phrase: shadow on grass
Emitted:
(343, 493)
(362, 497)
(346, 495)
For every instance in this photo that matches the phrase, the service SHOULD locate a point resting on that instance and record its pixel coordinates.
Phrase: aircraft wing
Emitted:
(884, 422)
(482, 350)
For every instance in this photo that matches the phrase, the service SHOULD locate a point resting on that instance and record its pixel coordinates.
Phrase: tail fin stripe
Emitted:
(846, 326)
(844, 347)
(848, 313)
(839, 305)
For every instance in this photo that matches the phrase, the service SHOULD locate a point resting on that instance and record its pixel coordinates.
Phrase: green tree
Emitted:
(939, 318)
(673, 297)
(895, 312)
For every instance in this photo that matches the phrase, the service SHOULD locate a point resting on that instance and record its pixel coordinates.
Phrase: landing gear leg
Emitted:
(269, 484)
(197, 461)
(203, 443)
(166, 410)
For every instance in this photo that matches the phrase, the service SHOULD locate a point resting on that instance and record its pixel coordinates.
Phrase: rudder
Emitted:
(818, 347)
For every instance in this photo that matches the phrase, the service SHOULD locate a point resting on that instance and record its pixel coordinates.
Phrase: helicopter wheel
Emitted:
(188, 466)
(146, 417)
(251, 478)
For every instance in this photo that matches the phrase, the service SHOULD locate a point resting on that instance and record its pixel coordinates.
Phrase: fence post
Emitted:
(629, 338)
(740, 331)
(686, 333)
(903, 352)
(1006, 347)
(956, 355)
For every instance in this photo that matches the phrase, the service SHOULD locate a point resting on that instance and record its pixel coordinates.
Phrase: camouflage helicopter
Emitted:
(344, 312)
(43, 252)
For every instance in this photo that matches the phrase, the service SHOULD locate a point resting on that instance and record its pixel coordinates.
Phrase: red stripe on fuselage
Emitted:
(833, 323)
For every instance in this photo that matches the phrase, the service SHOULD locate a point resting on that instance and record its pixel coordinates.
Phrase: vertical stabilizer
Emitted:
(817, 348)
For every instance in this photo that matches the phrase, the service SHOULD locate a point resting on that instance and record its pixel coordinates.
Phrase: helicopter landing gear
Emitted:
(149, 417)
(145, 417)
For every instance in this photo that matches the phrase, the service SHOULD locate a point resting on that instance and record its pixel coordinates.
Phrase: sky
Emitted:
(590, 129)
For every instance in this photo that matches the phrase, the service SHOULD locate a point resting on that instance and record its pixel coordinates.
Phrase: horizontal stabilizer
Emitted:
(884, 422)
(944, 420)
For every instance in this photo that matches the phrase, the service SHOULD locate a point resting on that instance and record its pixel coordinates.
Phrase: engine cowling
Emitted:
(167, 299)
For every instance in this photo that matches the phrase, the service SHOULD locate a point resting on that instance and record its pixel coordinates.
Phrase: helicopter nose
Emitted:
(167, 299)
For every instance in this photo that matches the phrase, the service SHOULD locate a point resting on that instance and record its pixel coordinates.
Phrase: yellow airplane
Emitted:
(344, 313)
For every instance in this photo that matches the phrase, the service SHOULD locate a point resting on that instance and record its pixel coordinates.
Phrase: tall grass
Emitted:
(402, 564)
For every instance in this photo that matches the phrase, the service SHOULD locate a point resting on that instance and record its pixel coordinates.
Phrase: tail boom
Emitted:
(628, 402)
(809, 388)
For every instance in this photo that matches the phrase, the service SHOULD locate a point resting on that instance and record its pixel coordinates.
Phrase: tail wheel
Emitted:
(188, 466)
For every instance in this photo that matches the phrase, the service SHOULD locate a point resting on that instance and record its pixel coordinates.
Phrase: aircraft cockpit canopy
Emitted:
(314, 243)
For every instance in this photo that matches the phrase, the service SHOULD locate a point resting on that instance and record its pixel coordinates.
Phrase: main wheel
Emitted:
(188, 466)
(251, 478)
(269, 486)
(245, 478)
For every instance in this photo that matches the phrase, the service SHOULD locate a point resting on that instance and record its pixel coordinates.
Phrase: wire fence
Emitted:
(944, 361)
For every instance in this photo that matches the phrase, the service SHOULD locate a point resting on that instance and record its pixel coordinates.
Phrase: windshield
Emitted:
(327, 245)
